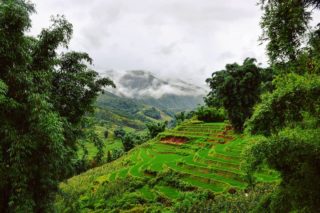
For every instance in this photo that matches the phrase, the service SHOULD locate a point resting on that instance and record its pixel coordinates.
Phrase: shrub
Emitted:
(155, 128)
(116, 153)
(210, 114)
(119, 133)
(130, 140)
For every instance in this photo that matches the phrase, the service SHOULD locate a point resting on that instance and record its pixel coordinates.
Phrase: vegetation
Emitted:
(288, 118)
(114, 111)
(44, 98)
(119, 133)
(156, 128)
(210, 114)
(238, 90)
(168, 174)
(50, 129)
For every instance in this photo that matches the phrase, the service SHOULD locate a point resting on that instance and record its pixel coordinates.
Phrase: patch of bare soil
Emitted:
(174, 140)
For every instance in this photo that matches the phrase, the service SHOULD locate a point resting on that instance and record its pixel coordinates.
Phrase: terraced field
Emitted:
(204, 155)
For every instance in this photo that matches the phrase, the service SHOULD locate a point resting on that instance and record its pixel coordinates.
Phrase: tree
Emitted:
(284, 24)
(294, 98)
(44, 97)
(287, 119)
(238, 89)
(180, 117)
(294, 153)
(128, 141)
(156, 128)
(119, 133)
(210, 114)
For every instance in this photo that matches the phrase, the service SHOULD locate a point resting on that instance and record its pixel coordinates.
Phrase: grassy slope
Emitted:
(209, 160)
(113, 110)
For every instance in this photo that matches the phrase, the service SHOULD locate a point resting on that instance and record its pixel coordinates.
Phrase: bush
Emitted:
(119, 133)
(210, 114)
(155, 128)
(294, 153)
(130, 140)
(116, 153)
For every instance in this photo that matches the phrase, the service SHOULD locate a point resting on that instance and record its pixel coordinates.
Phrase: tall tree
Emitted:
(43, 98)
(238, 89)
(284, 24)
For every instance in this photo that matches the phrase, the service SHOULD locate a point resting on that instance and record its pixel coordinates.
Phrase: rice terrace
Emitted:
(194, 155)
(159, 106)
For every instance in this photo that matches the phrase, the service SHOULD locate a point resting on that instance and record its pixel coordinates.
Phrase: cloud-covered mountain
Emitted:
(142, 84)
(169, 94)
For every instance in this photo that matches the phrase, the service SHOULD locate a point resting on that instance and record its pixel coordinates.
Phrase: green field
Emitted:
(161, 172)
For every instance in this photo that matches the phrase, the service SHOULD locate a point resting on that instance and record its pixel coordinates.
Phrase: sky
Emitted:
(184, 39)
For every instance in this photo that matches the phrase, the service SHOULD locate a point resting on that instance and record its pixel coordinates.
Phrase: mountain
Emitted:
(173, 95)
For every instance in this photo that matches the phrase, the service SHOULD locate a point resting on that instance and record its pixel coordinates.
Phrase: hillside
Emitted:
(113, 110)
(195, 159)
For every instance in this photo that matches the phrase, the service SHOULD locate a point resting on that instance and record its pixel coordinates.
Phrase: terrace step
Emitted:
(216, 162)
(203, 184)
(225, 157)
(215, 170)
(207, 180)
(213, 177)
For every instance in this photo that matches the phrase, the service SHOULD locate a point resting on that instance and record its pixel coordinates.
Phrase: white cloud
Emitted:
(184, 39)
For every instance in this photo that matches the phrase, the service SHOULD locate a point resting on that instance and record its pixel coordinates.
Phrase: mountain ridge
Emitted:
(139, 84)
(174, 94)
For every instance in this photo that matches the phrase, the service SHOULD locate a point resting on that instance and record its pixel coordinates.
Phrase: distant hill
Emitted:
(172, 95)
(114, 110)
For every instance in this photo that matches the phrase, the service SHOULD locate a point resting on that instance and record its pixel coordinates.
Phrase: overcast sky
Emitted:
(187, 39)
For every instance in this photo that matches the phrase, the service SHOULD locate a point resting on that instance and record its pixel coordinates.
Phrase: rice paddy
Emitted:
(203, 155)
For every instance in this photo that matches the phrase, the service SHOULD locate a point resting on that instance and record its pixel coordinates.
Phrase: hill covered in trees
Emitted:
(113, 110)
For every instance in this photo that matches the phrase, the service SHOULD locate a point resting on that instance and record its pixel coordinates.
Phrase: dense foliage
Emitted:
(284, 24)
(130, 140)
(210, 114)
(294, 152)
(119, 132)
(156, 128)
(295, 99)
(44, 97)
(288, 118)
(238, 89)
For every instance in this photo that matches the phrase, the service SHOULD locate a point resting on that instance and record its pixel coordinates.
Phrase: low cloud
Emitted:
(183, 39)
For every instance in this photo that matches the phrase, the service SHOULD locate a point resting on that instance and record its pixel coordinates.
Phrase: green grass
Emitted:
(202, 163)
